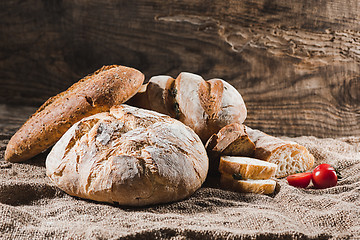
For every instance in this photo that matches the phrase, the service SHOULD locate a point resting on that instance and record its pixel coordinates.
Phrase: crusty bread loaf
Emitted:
(205, 106)
(156, 94)
(246, 168)
(130, 156)
(289, 156)
(111, 85)
(247, 186)
(230, 140)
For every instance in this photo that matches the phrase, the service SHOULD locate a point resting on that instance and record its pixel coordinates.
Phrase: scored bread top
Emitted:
(191, 111)
(205, 106)
(246, 168)
(131, 156)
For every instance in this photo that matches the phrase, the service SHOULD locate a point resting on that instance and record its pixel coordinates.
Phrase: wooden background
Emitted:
(295, 62)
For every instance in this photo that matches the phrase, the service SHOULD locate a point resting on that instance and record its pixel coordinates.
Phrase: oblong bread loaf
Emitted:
(130, 156)
(208, 106)
(205, 106)
(109, 86)
(247, 186)
(289, 156)
(246, 168)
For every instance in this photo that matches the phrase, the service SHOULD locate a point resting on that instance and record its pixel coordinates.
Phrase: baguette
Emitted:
(204, 106)
(110, 85)
(247, 186)
(289, 156)
(246, 168)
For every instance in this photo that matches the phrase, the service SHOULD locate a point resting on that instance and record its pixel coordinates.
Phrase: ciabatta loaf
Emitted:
(246, 168)
(205, 106)
(130, 156)
(289, 156)
(247, 186)
(109, 86)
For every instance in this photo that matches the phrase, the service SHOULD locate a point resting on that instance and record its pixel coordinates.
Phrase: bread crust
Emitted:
(130, 156)
(247, 168)
(247, 186)
(205, 106)
(108, 86)
(289, 156)
(230, 140)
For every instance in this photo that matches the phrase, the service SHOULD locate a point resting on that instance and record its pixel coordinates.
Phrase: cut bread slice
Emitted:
(247, 186)
(289, 156)
(247, 168)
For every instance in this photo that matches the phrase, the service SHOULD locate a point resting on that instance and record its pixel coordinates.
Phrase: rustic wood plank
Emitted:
(296, 63)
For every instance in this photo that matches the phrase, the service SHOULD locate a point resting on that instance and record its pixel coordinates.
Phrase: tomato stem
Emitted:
(338, 174)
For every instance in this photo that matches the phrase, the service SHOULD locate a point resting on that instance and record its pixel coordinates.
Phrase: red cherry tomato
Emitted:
(300, 179)
(324, 176)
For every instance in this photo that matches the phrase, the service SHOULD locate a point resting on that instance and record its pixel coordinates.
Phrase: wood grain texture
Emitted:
(296, 63)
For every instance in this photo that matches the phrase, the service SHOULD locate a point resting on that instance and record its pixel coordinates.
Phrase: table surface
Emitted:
(31, 205)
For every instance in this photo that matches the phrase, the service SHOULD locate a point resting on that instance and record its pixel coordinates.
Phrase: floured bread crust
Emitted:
(130, 156)
(109, 86)
(205, 106)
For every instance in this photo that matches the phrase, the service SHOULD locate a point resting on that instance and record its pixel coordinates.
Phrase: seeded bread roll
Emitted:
(109, 86)
(246, 168)
(205, 106)
(289, 156)
(130, 156)
(247, 186)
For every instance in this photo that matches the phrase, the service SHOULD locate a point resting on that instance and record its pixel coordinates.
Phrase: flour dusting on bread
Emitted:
(130, 156)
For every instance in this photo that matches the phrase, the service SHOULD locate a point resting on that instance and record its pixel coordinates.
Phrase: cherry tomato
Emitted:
(300, 179)
(324, 176)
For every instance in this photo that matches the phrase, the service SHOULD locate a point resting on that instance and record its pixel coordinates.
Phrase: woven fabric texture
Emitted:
(32, 207)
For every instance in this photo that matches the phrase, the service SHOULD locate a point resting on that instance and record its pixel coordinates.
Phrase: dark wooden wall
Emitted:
(296, 62)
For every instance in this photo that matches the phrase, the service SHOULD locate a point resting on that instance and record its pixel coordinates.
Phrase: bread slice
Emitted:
(247, 168)
(247, 186)
(109, 86)
(289, 156)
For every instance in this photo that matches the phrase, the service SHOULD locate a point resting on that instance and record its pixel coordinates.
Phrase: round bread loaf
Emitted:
(130, 156)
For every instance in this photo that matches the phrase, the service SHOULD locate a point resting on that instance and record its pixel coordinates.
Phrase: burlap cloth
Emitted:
(31, 207)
